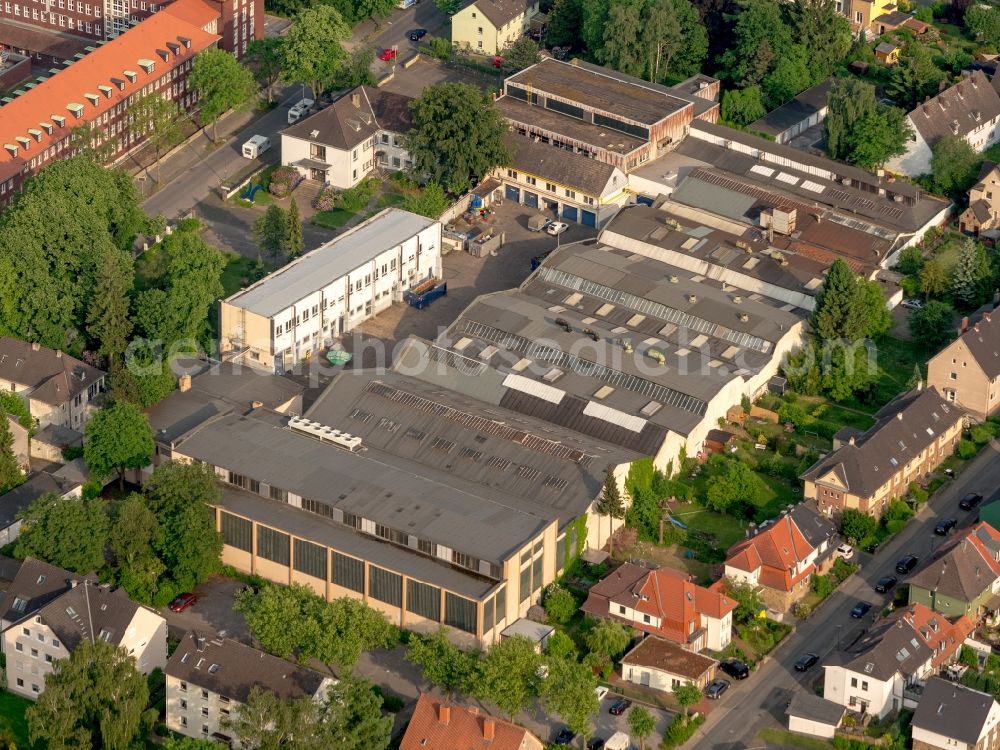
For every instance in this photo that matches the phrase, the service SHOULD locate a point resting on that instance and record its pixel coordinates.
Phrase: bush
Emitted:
(802, 610)
(822, 585)
(680, 731)
(560, 605)
(917, 493)
(966, 449)
(283, 181)
(356, 198)
(440, 47)
(325, 200)
(981, 433)
(775, 467)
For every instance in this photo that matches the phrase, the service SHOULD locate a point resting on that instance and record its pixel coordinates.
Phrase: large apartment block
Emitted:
(153, 58)
(289, 315)
(967, 371)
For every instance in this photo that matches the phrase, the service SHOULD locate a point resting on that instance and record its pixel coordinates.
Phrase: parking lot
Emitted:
(426, 72)
(212, 614)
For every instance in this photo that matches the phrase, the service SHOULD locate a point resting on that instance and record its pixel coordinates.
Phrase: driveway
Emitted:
(212, 614)
(425, 72)
(759, 701)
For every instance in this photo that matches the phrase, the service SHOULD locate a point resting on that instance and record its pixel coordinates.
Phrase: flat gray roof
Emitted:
(814, 708)
(331, 261)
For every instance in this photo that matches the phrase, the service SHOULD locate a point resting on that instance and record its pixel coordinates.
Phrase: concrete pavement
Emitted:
(760, 701)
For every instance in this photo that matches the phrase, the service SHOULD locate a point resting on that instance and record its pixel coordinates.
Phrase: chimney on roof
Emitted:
(964, 325)
(201, 644)
(444, 714)
(850, 440)
(256, 404)
(356, 99)
(489, 729)
(899, 416)
(184, 383)
(35, 346)
(58, 354)
(920, 385)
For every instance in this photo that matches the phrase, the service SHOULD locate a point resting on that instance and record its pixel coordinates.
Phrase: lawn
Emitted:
(726, 529)
(389, 199)
(237, 274)
(899, 362)
(12, 708)
(782, 738)
(332, 219)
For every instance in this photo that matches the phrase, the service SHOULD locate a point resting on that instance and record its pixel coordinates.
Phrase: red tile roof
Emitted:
(31, 115)
(441, 725)
(196, 12)
(943, 637)
(775, 553)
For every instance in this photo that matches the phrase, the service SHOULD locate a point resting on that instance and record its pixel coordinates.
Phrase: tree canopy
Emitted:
(743, 106)
(932, 324)
(839, 311)
(508, 675)
(570, 690)
(314, 51)
(10, 469)
(954, 165)
(457, 136)
(70, 533)
(760, 39)
(222, 84)
(443, 663)
(734, 483)
(914, 77)
(857, 526)
(861, 130)
(119, 438)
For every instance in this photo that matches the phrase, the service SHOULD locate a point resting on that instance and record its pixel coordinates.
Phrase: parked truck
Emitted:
(425, 292)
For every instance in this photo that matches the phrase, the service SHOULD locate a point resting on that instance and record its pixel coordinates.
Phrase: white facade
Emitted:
(341, 168)
(862, 692)
(812, 727)
(719, 632)
(944, 742)
(917, 159)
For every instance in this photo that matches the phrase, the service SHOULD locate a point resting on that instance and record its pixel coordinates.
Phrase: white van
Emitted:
(256, 146)
(299, 110)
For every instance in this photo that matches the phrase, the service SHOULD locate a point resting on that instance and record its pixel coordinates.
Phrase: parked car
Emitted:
(716, 688)
(564, 737)
(913, 304)
(945, 525)
(805, 661)
(182, 602)
(256, 146)
(872, 548)
(557, 227)
(417, 34)
(596, 744)
(299, 110)
(845, 551)
(885, 584)
(970, 501)
(735, 668)
(906, 564)
(538, 222)
(619, 707)
(387, 54)
(600, 691)
(860, 610)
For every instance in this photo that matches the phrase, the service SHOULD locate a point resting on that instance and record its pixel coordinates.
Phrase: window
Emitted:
(204, 695)
(512, 174)
(479, 31)
(864, 686)
(19, 604)
(41, 638)
(385, 586)
(550, 187)
(460, 613)
(277, 493)
(531, 180)
(570, 193)
(621, 609)
(55, 643)
(34, 653)
(348, 572)
(184, 687)
(20, 682)
(954, 376)
(184, 704)
(237, 532)
(204, 710)
(423, 599)
(854, 682)
(272, 545)
(317, 152)
(18, 646)
(26, 631)
(646, 619)
(310, 559)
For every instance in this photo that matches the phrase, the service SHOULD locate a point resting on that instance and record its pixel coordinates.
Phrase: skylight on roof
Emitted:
(758, 169)
(787, 178)
(811, 186)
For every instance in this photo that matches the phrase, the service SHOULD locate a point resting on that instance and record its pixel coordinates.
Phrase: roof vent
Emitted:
(314, 134)
(119, 83)
(674, 279)
(76, 109)
(47, 127)
(23, 141)
(36, 134)
(954, 127)
(692, 298)
(353, 124)
(744, 318)
(59, 120)
(591, 334)
(92, 98)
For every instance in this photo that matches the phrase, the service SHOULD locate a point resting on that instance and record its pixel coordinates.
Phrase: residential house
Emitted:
(438, 724)
(782, 556)
(983, 212)
(887, 53)
(965, 578)
(666, 603)
(344, 143)
(488, 27)
(58, 389)
(602, 114)
(663, 665)
(289, 315)
(35, 584)
(953, 717)
(913, 434)
(875, 675)
(567, 185)
(19, 498)
(969, 110)
(802, 112)
(209, 678)
(967, 371)
(97, 90)
(73, 609)
(869, 17)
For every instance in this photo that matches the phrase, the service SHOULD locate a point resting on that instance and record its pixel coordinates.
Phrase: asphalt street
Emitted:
(760, 700)
(395, 29)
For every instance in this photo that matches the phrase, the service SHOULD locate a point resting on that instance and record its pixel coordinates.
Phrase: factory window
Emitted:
(423, 599)
(348, 572)
(385, 586)
(310, 559)
(273, 545)
(237, 532)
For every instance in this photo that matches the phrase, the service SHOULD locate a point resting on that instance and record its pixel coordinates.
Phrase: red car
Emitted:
(387, 54)
(182, 602)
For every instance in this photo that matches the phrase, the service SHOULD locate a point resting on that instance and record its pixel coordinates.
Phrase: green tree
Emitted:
(520, 54)
(570, 690)
(356, 70)
(878, 319)
(264, 56)
(352, 718)
(735, 483)
(915, 77)
(931, 325)
(15, 407)
(610, 504)
(674, 39)
(608, 639)
(560, 646)
(222, 84)
(314, 50)
(743, 106)
(10, 469)
(954, 165)
(861, 130)
(879, 137)
(839, 312)
(457, 136)
(970, 276)
(271, 230)
(791, 75)
(88, 141)
(823, 31)
(266, 722)
(119, 438)
(158, 120)
(749, 605)
(144, 380)
(983, 22)
(430, 201)
(280, 618)
(623, 47)
(67, 532)
(346, 627)
(856, 526)
(593, 25)
(177, 742)
(443, 663)
(135, 534)
(565, 22)
(911, 260)
(48, 280)
(181, 495)
(641, 724)
(935, 275)
(560, 604)
(687, 695)
(508, 675)
(374, 9)
(108, 321)
(760, 39)
(294, 242)
(94, 698)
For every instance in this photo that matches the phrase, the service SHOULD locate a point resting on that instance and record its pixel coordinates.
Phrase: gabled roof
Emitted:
(19, 498)
(905, 427)
(196, 12)
(775, 551)
(564, 167)
(442, 725)
(983, 342)
(657, 653)
(229, 668)
(94, 85)
(89, 611)
(54, 377)
(36, 584)
(969, 104)
(355, 117)
(966, 570)
(952, 710)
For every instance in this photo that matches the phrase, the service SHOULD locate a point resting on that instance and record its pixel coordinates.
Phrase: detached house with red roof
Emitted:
(783, 555)
(664, 602)
(441, 725)
(97, 90)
